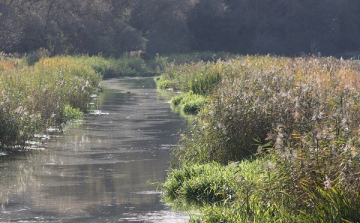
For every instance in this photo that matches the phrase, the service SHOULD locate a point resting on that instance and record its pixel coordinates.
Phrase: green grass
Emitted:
(253, 191)
(189, 102)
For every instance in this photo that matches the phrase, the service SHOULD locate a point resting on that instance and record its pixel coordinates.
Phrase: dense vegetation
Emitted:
(51, 91)
(165, 26)
(297, 119)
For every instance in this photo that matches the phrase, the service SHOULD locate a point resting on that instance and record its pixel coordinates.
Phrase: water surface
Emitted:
(98, 170)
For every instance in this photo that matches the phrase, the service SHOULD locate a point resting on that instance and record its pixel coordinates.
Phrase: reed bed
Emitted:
(300, 115)
(34, 97)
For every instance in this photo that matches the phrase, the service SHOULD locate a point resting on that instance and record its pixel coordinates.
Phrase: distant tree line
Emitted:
(112, 27)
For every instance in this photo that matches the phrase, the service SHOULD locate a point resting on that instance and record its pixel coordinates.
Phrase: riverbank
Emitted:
(34, 97)
(38, 91)
(285, 131)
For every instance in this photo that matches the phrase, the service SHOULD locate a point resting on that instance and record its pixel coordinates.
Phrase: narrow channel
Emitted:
(102, 169)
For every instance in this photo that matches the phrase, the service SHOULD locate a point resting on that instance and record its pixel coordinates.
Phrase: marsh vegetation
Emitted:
(52, 91)
(286, 133)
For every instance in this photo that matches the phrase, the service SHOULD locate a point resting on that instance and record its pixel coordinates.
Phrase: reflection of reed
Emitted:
(102, 164)
(78, 188)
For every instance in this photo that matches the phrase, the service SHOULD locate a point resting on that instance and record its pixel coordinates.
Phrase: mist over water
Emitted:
(99, 170)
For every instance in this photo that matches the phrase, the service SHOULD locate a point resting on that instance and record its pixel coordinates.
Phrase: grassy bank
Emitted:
(299, 117)
(51, 91)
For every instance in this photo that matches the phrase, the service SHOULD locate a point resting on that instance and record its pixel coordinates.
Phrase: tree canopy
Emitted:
(111, 27)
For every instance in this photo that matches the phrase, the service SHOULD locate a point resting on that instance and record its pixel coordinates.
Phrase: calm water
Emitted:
(97, 171)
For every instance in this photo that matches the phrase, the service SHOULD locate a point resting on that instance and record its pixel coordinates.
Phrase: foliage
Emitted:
(34, 57)
(113, 28)
(234, 193)
(192, 57)
(33, 97)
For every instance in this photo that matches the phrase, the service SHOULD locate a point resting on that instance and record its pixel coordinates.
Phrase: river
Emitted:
(102, 169)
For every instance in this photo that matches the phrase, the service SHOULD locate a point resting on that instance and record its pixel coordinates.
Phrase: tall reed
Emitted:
(33, 97)
(302, 113)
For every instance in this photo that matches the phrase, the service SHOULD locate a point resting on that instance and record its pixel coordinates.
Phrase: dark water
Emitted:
(98, 170)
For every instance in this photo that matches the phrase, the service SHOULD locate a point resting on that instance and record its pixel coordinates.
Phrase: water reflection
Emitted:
(98, 171)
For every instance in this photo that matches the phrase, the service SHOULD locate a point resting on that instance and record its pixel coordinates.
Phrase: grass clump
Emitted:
(302, 115)
(189, 102)
(232, 193)
(200, 184)
(70, 113)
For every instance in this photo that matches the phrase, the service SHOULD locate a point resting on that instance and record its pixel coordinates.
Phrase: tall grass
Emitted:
(198, 77)
(33, 97)
(303, 114)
